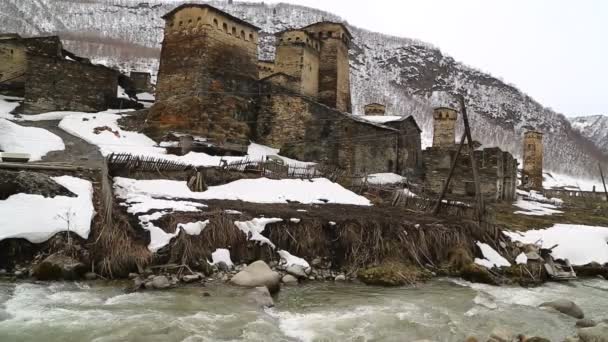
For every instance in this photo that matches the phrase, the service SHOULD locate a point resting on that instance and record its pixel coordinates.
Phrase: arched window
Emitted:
(171, 24)
(198, 19)
(288, 39)
(320, 34)
(251, 36)
(190, 21)
(217, 25)
(243, 34)
(297, 39)
(181, 23)
(225, 26)
(234, 31)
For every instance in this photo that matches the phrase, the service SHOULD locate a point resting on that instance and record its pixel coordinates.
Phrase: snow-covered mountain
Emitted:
(594, 128)
(403, 73)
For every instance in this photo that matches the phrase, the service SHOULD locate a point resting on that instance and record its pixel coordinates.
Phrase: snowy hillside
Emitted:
(400, 72)
(594, 128)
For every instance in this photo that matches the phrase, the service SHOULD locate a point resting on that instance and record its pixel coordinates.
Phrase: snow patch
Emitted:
(254, 228)
(491, 257)
(577, 243)
(35, 141)
(193, 228)
(288, 260)
(385, 178)
(221, 255)
(37, 218)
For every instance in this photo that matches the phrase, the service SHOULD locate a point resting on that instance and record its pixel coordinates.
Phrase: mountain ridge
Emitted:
(401, 72)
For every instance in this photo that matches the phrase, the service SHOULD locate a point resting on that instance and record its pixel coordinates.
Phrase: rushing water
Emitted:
(443, 310)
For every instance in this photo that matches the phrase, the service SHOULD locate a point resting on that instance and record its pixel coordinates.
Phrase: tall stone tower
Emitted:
(444, 126)
(374, 109)
(532, 175)
(297, 55)
(207, 74)
(334, 68)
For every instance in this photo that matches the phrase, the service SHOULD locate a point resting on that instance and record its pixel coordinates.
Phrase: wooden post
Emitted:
(603, 181)
(447, 181)
(467, 129)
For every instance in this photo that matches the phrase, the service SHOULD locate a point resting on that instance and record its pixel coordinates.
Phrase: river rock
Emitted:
(90, 276)
(58, 266)
(585, 323)
(566, 307)
(261, 297)
(500, 334)
(158, 283)
(133, 275)
(288, 279)
(297, 271)
(191, 278)
(258, 274)
(598, 333)
(222, 266)
(340, 277)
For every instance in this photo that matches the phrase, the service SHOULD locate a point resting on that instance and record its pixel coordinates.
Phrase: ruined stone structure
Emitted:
(208, 69)
(334, 69)
(497, 169)
(444, 126)
(532, 175)
(14, 52)
(374, 109)
(142, 81)
(54, 84)
(497, 172)
(297, 55)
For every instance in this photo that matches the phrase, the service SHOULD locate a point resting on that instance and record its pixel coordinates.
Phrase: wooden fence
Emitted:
(561, 193)
(128, 162)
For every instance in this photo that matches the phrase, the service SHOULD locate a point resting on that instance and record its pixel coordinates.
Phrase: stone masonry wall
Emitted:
(61, 85)
(297, 55)
(444, 127)
(533, 161)
(14, 53)
(207, 81)
(334, 68)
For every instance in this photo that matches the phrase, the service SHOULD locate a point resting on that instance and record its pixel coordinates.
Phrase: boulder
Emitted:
(500, 334)
(340, 277)
(288, 279)
(258, 274)
(222, 266)
(191, 278)
(261, 296)
(566, 307)
(585, 323)
(158, 283)
(477, 274)
(297, 271)
(58, 266)
(598, 333)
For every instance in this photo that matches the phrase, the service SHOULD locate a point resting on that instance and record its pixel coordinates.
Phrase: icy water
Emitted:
(443, 310)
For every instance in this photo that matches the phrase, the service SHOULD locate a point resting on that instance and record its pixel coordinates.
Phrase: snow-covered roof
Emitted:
(383, 119)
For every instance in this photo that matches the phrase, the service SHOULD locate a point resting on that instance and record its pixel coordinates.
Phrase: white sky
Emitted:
(554, 50)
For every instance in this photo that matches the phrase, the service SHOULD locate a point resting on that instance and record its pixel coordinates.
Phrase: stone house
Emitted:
(142, 81)
(51, 78)
(497, 168)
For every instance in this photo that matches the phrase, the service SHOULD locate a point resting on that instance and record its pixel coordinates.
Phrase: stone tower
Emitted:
(207, 74)
(532, 175)
(444, 126)
(297, 55)
(334, 69)
(374, 109)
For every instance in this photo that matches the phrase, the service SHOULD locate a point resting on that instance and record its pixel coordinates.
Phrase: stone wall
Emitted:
(14, 52)
(334, 68)
(409, 158)
(444, 127)
(533, 161)
(265, 68)
(306, 130)
(208, 69)
(497, 171)
(62, 85)
(297, 55)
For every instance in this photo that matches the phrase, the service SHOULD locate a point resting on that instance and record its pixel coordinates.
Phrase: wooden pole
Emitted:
(447, 181)
(603, 181)
(467, 129)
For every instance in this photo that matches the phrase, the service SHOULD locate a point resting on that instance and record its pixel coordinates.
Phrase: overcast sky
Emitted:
(554, 50)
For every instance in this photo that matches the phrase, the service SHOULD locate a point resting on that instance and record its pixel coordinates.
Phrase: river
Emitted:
(441, 310)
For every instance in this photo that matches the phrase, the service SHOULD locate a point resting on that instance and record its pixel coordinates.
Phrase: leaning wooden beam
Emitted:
(467, 129)
(447, 181)
(603, 181)
(24, 166)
